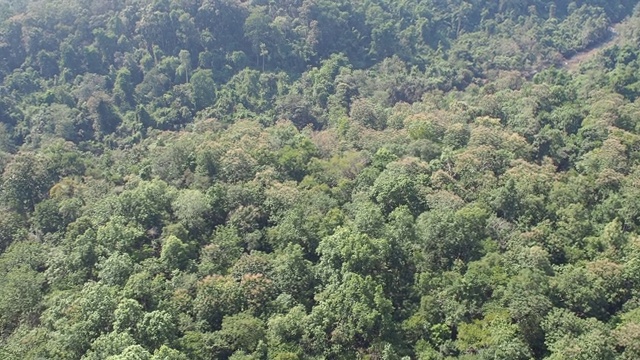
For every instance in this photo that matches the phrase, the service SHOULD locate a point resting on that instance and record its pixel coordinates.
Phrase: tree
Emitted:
(320, 179)
(351, 313)
(174, 253)
(293, 274)
(401, 183)
(237, 165)
(123, 89)
(526, 298)
(367, 113)
(105, 118)
(348, 251)
(148, 204)
(116, 269)
(216, 297)
(493, 337)
(285, 332)
(77, 321)
(225, 248)
(447, 235)
(185, 65)
(145, 288)
(192, 208)
(167, 353)
(25, 182)
(240, 332)
(157, 328)
(119, 235)
(627, 335)
(113, 343)
(580, 291)
(568, 336)
(257, 29)
(133, 352)
(21, 296)
(127, 316)
(203, 88)
(368, 218)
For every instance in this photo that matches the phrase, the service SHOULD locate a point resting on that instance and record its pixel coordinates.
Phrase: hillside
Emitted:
(315, 179)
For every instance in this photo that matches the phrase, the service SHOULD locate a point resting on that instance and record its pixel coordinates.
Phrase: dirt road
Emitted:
(573, 63)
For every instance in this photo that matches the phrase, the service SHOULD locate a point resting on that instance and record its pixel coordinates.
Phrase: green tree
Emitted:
(257, 30)
(351, 313)
(25, 182)
(185, 65)
(225, 248)
(123, 88)
(149, 204)
(78, 320)
(580, 291)
(192, 208)
(401, 183)
(108, 345)
(568, 336)
(293, 274)
(127, 316)
(133, 352)
(348, 251)
(174, 254)
(21, 297)
(216, 297)
(203, 87)
(116, 269)
(493, 337)
(157, 328)
(627, 335)
(367, 113)
(448, 235)
(285, 332)
(167, 353)
(240, 332)
(119, 235)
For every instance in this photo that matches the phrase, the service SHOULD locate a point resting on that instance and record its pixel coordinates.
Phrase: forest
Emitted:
(319, 179)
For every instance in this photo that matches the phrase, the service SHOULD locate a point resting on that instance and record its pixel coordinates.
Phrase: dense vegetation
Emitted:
(318, 179)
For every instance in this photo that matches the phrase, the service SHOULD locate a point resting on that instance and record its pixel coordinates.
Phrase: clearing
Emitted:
(573, 63)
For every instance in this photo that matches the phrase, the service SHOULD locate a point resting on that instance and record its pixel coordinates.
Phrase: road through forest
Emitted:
(573, 63)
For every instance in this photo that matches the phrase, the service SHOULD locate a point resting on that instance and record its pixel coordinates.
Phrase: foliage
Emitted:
(319, 179)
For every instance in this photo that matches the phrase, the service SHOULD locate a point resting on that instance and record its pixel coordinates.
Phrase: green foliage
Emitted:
(116, 269)
(218, 179)
(148, 204)
(493, 337)
(133, 352)
(449, 235)
(77, 321)
(24, 182)
(353, 252)
(156, 328)
(174, 253)
(203, 87)
(351, 312)
(571, 337)
(21, 296)
(192, 208)
(167, 353)
(241, 332)
(217, 296)
(127, 316)
(107, 345)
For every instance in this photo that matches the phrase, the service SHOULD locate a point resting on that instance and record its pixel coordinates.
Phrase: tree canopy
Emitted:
(319, 179)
